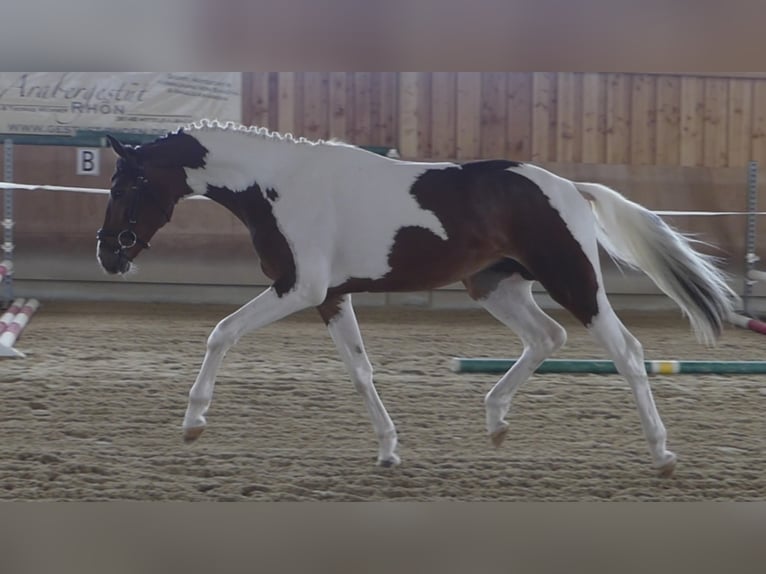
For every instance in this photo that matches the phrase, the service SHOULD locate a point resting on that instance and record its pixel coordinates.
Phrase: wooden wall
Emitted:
(624, 119)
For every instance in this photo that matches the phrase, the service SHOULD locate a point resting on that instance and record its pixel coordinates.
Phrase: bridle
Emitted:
(127, 238)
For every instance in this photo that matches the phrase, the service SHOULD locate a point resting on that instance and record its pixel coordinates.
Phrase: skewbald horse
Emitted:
(329, 219)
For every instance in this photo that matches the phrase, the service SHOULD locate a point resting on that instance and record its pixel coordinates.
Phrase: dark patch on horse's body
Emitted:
(252, 208)
(490, 164)
(510, 266)
(177, 149)
(492, 216)
(272, 194)
(330, 308)
(482, 284)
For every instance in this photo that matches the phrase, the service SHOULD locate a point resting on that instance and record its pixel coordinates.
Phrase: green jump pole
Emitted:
(465, 365)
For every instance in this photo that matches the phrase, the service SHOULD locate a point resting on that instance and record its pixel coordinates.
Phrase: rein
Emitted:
(127, 238)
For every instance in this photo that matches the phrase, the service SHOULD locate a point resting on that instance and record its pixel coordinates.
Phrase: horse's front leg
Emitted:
(261, 311)
(338, 315)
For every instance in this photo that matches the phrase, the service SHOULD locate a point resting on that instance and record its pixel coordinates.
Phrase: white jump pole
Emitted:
(756, 275)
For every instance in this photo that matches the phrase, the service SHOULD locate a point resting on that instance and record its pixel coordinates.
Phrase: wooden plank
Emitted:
(759, 123)
(424, 115)
(388, 87)
(408, 115)
(519, 116)
(643, 122)
(362, 119)
(443, 115)
(618, 119)
(692, 127)
(299, 85)
(668, 120)
(543, 116)
(493, 115)
(715, 123)
(338, 127)
(350, 106)
(259, 99)
(594, 118)
(324, 105)
(468, 110)
(578, 118)
(567, 115)
(247, 98)
(273, 121)
(376, 95)
(740, 112)
(286, 116)
(315, 106)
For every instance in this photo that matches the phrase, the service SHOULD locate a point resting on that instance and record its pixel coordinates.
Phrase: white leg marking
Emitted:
(261, 311)
(513, 305)
(628, 356)
(344, 331)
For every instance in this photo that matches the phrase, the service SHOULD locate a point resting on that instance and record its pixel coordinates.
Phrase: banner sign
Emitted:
(63, 103)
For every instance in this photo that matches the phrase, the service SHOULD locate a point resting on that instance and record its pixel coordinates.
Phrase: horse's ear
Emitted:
(120, 149)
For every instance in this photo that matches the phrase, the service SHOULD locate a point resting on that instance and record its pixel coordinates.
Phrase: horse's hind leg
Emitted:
(338, 315)
(508, 297)
(628, 356)
(581, 291)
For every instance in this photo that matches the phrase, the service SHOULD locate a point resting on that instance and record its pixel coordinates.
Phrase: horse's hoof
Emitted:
(192, 434)
(667, 469)
(498, 436)
(393, 460)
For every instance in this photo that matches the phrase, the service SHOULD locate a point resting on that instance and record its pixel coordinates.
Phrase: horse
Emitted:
(328, 219)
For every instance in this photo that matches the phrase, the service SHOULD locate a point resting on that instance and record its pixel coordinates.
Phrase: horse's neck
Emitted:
(237, 163)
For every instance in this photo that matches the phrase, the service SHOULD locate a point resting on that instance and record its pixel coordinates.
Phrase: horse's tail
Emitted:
(634, 235)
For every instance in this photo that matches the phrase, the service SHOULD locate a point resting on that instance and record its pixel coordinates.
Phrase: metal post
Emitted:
(750, 257)
(8, 219)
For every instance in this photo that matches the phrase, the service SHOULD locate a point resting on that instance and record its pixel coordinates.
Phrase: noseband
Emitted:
(127, 238)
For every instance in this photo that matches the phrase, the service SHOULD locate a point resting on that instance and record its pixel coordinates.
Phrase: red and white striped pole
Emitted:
(743, 320)
(10, 313)
(748, 323)
(5, 269)
(14, 329)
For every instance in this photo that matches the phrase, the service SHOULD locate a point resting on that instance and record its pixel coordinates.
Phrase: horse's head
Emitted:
(146, 185)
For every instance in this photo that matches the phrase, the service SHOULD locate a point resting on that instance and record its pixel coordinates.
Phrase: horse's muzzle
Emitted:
(113, 261)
